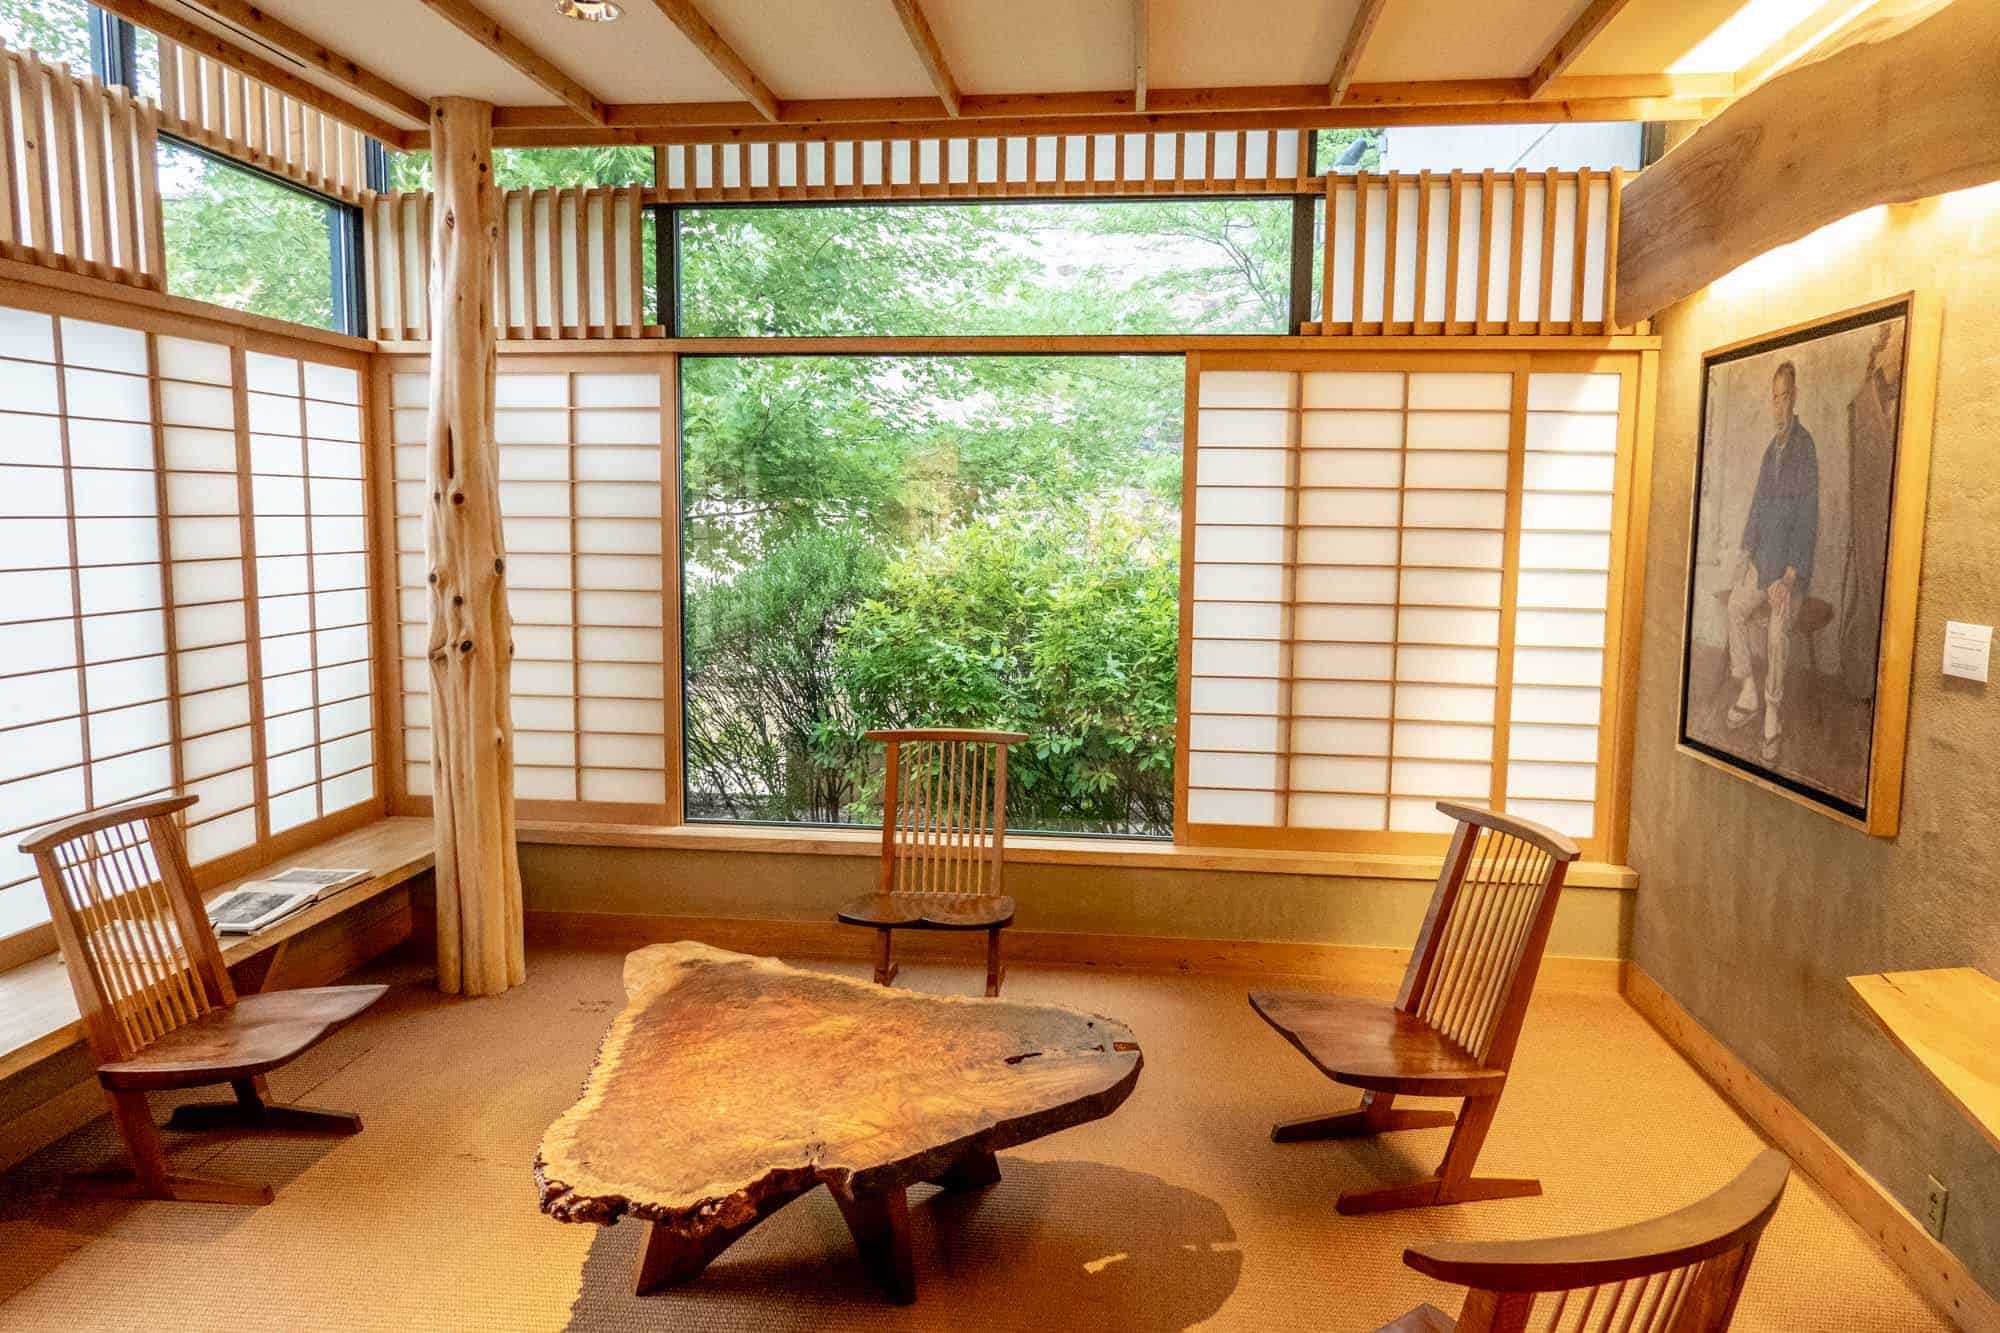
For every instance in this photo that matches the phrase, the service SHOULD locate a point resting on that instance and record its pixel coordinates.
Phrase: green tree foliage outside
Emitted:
(968, 541)
(52, 29)
(235, 239)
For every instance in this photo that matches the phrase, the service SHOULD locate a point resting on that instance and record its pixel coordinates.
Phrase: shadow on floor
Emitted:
(1053, 1245)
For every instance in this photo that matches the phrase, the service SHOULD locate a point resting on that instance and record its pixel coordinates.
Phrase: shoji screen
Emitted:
(314, 667)
(128, 634)
(1568, 520)
(1397, 593)
(581, 470)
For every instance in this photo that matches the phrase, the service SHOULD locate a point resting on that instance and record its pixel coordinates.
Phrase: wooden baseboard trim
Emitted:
(1361, 966)
(1933, 1269)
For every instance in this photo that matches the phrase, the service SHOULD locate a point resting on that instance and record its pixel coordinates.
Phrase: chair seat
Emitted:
(1374, 1045)
(930, 911)
(251, 1037)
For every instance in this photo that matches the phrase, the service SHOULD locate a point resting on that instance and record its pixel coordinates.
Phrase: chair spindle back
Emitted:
(1681, 1273)
(944, 810)
(1482, 940)
(130, 922)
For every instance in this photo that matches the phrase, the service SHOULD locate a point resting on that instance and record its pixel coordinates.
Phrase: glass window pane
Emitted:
(53, 29)
(237, 239)
(539, 168)
(1149, 266)
(967, 541)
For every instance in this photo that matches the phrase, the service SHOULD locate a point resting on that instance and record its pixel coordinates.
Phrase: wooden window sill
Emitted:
(1026, 849)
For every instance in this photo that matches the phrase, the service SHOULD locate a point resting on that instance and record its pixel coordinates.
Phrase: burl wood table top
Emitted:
(731, 1084)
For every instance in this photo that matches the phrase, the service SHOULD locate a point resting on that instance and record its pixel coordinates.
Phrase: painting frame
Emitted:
(1875, 808)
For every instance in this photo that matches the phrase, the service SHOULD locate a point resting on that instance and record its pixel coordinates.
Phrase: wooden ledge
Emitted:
(1127, 853)
(38, 1014)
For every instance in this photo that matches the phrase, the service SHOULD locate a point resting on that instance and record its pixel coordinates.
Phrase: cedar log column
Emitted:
(471, 633)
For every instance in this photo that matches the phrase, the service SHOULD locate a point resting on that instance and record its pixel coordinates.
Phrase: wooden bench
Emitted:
(38, 1013)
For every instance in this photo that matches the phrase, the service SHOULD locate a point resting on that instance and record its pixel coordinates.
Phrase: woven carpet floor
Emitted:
(1176, 1212)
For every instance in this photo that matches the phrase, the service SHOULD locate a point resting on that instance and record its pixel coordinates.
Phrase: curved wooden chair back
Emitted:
(944, 810)
(130, 921)
(1681, 1273)
(1474, 964)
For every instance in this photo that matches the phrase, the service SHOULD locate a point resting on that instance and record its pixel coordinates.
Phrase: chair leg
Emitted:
(1375, 1115)
(253, 1109)
(147, 1177)
(885, 971)
(1454, 1182)
(995, 974)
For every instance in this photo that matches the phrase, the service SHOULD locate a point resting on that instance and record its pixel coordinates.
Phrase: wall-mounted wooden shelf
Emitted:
(1945, 1019)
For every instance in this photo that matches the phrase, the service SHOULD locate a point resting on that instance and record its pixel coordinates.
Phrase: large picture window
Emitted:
(875, 541)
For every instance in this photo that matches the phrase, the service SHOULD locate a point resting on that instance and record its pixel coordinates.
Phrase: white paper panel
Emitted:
(1207, 806)
(1313, 810)
(1351, 430)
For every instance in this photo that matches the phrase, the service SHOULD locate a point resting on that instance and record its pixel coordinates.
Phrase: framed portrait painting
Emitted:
(1810, 482)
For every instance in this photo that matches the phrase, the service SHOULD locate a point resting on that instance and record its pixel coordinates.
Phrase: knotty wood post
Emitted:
(479, 939)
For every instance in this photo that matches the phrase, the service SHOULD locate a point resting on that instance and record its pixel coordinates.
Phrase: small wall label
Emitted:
(1966, 649)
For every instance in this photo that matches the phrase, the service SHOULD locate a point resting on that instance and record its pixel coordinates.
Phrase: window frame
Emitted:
(346, 253)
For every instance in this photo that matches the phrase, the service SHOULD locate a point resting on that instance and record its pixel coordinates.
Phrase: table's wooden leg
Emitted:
(669, 1258)
(881, 1226)
(969, 1173)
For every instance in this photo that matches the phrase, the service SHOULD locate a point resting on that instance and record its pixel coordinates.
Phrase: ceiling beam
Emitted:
(1358, 34)
(529, 127)
(930, 53)
(720, 54)
(1141, 39)
(1600, 91)
(1802, 149)
(201, 41)
(490, 33)
(1570, 45)
(275, 32)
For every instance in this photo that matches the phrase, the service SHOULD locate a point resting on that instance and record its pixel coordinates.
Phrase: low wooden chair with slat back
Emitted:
(1452, 1029)
(157, 1002)
(944, 840)
(1681, 1273)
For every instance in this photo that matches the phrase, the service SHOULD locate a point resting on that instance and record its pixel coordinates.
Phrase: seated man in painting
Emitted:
(1775, 564)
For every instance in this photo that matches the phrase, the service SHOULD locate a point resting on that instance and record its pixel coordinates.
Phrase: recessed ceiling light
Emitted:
(590, 11)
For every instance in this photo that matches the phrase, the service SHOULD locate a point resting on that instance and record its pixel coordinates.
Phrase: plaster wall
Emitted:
(1752, 910)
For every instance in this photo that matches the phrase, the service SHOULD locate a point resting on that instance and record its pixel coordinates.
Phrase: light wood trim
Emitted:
(1714, 201)
(1366, 15)
(496, 37)
(1141, 54)
(531, 127)
(182, 32)
(1363, 968)
(1934, 1270)
(698, 30)
(1006, 344)
(275, 32)
(1596, 16)
(1030, 849)
(930, 53)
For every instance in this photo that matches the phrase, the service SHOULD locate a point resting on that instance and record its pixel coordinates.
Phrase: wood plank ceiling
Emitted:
(672, 71)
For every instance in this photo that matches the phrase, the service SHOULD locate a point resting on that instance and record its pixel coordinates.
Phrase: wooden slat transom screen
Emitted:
(1018, 167)
(573, 264)
(162, 572)
(206, 102)
(1469, 253)
(78, 183)
(581, 487)
(1395, 590)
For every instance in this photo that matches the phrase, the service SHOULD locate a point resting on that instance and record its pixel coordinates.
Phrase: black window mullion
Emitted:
(114, 49)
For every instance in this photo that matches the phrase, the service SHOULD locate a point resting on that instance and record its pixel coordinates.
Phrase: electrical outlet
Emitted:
(1935, 1195)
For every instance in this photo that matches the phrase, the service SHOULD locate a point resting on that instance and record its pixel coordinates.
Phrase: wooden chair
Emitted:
(944, 836)
(1681, 1273)
(157, 1001)
(1452, 1029)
